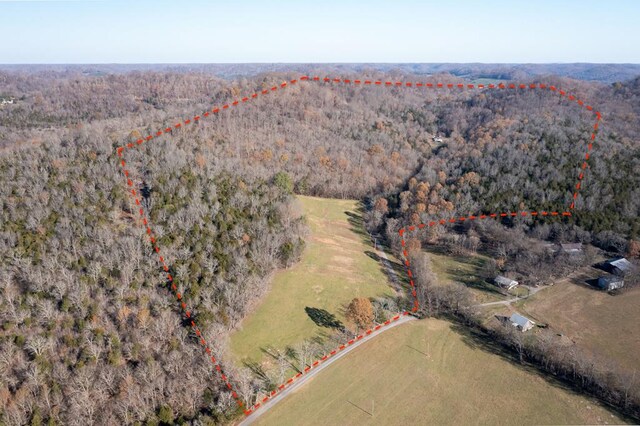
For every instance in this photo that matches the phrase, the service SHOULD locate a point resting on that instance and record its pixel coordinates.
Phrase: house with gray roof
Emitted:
(619, 266)
(521, 323)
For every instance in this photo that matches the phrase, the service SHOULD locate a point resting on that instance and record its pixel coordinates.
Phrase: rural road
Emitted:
(303, 379)
(532, 291)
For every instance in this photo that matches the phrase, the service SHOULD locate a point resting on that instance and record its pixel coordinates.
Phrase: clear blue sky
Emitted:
(113, 31)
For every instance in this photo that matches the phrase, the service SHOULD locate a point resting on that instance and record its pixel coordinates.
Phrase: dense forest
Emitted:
(88, 328)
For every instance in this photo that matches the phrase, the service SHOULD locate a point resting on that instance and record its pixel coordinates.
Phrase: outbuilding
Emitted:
(619, 266)
(573, 248)
(521, 323)
(505, 282)
(610, 282)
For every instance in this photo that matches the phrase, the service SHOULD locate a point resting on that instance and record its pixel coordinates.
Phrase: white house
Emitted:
(522, 323)
(505, 282)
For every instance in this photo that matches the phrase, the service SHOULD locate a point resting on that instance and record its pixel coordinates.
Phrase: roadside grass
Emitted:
(603, 324)
(426, 372)
(337, 265)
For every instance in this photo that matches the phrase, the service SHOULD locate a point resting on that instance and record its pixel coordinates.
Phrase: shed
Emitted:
(522, 323)
(505, 282)
(610, 282)
(571, 248)
(619, 266)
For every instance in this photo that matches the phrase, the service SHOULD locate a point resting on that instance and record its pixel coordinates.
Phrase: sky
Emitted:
(494, 31)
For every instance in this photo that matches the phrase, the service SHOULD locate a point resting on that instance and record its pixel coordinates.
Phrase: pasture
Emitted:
(336, 266)
(425, 372)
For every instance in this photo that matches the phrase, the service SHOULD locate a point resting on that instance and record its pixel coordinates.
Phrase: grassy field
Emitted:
(424, 372)
(335, 267)
(464, 269)
(603, 324)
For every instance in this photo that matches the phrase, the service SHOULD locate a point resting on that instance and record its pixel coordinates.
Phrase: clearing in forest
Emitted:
(337, 265)
(425, 372)
(465, 269)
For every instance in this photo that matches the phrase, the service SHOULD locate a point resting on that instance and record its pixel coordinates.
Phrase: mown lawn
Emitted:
(424, 372)
(335, 267)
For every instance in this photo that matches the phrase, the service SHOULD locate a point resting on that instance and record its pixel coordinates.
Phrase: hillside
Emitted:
(335, 267)
(85, 304)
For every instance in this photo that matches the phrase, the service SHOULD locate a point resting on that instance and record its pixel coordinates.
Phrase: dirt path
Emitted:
(385, 261)
(298, 384)
(532, 291)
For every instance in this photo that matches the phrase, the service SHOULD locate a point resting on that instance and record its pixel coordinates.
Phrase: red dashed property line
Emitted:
(411, 228)
(235, 103)
(416, 305)
(585, 163)
(174, 288)
(321, 360)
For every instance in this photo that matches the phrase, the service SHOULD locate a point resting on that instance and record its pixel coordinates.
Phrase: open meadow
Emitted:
(425, 372)
(465, 269)
(336, 266)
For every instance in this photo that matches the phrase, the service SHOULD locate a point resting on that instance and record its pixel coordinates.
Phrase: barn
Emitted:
(619, 266)
(610, 282)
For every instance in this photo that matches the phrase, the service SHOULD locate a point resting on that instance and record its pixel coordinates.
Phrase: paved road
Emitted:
(303, 379)
(532, 291)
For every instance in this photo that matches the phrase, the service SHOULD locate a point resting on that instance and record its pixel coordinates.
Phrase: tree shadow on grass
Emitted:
(256, 369)
(324, 318)
(373, 255)
(357, 224)
(477, 339)
(275, 354)
(397, 267)
(466, 269)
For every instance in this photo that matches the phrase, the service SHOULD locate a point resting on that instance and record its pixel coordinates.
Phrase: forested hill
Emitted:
(605, 73)
(88, 327)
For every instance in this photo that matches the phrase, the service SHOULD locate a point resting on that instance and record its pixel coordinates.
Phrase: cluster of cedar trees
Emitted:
(87, 328)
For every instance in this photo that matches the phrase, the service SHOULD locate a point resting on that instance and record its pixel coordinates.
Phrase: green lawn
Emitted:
(424, 372)
(466, 270)
(333, 270)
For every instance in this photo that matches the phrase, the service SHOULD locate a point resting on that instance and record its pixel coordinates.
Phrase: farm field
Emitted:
(334, 268)
(425, 372)
(604, 324)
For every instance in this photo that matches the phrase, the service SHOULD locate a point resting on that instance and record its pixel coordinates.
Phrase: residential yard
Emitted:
(336, 266)
(604, 324)
(464, 269)
(424, 372)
